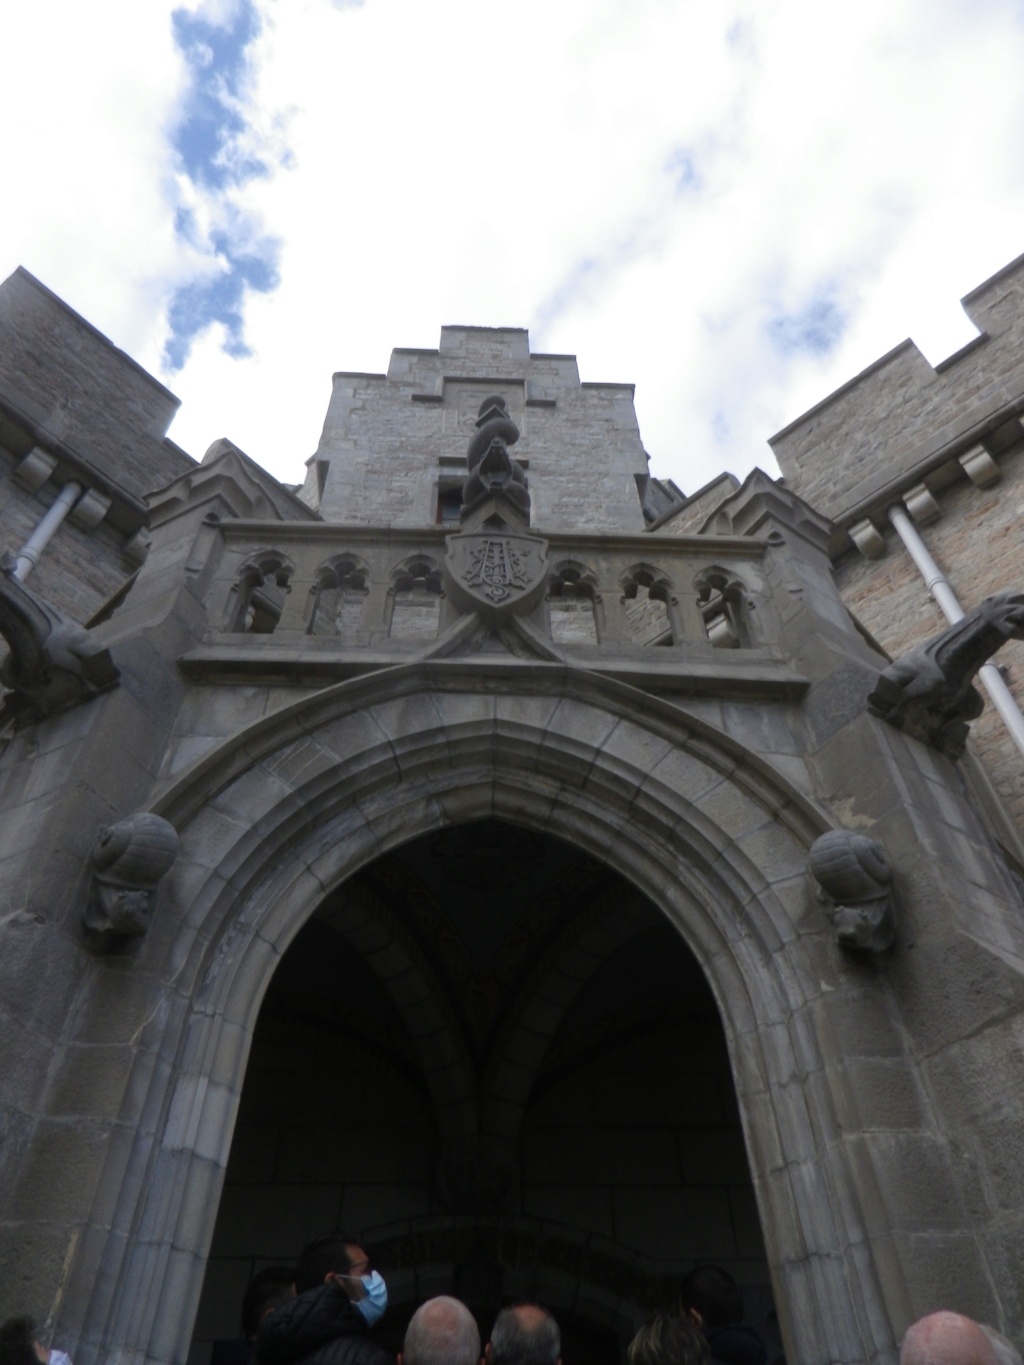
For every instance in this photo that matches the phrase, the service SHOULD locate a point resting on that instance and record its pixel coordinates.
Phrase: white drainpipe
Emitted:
(938, 585)
(37, 542)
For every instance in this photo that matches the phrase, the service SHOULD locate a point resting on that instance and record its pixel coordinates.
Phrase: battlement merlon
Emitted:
(394, 444)
(902, 419)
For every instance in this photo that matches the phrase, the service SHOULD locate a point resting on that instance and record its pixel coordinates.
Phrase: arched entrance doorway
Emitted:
(498, 1064)
(282, 815)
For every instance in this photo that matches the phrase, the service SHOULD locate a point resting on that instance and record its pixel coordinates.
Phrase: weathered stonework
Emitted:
(467, 902)
(392, 444)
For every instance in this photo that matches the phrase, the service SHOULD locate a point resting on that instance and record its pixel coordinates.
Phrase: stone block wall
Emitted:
(977, 541)
(689, 517)
(64, 374)
(391, 443)
(900, 413)
(80, 569)
(643, 1146)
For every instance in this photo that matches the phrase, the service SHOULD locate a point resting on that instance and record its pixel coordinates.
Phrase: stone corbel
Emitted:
(128, 861)
(34, 469)
(855, 881)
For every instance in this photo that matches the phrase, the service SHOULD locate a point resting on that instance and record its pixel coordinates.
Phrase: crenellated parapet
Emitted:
(904, 425)
(393, 447)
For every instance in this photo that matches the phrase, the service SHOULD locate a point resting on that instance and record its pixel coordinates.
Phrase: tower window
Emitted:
(449, 505)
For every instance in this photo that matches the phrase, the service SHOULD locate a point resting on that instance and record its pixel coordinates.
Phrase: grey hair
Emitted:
(513, 1342)
(442, 1331)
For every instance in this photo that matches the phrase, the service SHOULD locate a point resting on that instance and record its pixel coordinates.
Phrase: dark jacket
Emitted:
(735, 1345)
(320, 1327)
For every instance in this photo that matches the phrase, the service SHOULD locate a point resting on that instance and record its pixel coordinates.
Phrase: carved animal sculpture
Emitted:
(856, 885)
(491, 468)
(929, 692)
(52, 661)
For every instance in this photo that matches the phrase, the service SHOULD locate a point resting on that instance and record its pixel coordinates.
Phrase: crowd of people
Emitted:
(323, 1311)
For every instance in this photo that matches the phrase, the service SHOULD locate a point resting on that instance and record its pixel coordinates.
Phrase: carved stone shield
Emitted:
(496, 571)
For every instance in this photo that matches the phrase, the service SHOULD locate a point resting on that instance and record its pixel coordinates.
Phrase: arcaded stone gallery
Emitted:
(551, 878)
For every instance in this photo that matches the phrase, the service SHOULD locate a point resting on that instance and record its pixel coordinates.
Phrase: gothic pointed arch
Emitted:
(647, 598)
(257, 599)
(337, 596)
(291, 808)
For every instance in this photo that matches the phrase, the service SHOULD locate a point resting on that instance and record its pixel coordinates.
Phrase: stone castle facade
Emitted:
(488, 849)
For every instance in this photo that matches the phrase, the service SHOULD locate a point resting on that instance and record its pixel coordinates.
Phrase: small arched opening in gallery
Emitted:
(338, 596)
(257, 600)
(646, 599)
(414, 599)
(726, 608)
(492, 1057)
(572, 601)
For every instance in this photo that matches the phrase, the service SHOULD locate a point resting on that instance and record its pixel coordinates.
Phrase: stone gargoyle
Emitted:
(127, 860)
(929, 693)
(492, 470)
(855, 878)
(53, 662)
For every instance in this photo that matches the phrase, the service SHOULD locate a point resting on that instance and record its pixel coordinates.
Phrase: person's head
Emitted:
(268, 1289)
(19, 1344)
(947, 1339)
(328, 1257)
(710, 1297)
(442, 1331)
(524, 1334)
(669, 1340)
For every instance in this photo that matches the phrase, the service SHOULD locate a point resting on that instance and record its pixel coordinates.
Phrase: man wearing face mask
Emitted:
(339, 1297)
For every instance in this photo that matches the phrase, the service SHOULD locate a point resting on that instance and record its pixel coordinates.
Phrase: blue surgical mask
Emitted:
(372, 1307)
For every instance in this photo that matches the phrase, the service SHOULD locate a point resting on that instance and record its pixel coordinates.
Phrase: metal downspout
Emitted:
(938, 585)
(37, 542)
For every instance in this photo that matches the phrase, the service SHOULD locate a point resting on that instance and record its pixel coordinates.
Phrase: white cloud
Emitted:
(449, 163)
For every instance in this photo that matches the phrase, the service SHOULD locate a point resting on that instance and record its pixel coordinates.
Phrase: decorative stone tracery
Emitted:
(338, 597)
(726, 608)
(414, 600)
(259, 596)
(573, 604)
(647, 597)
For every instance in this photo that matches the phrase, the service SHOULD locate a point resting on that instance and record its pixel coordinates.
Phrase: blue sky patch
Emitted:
(217, 62)
(566, 294)
(220, 299)
(817, 328)
(212, 142)
(682, 167)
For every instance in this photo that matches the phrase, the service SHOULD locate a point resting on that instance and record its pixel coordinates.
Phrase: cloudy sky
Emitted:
(734, 204)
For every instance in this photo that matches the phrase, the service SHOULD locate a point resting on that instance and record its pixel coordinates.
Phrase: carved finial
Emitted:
(128, 860)
(856, 886)
(492, 470)
(929, 693)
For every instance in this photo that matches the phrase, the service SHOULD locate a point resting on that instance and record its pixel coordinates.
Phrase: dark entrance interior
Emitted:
(495, 1062)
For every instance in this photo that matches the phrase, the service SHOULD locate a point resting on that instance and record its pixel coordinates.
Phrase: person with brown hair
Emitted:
(668, 1340)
